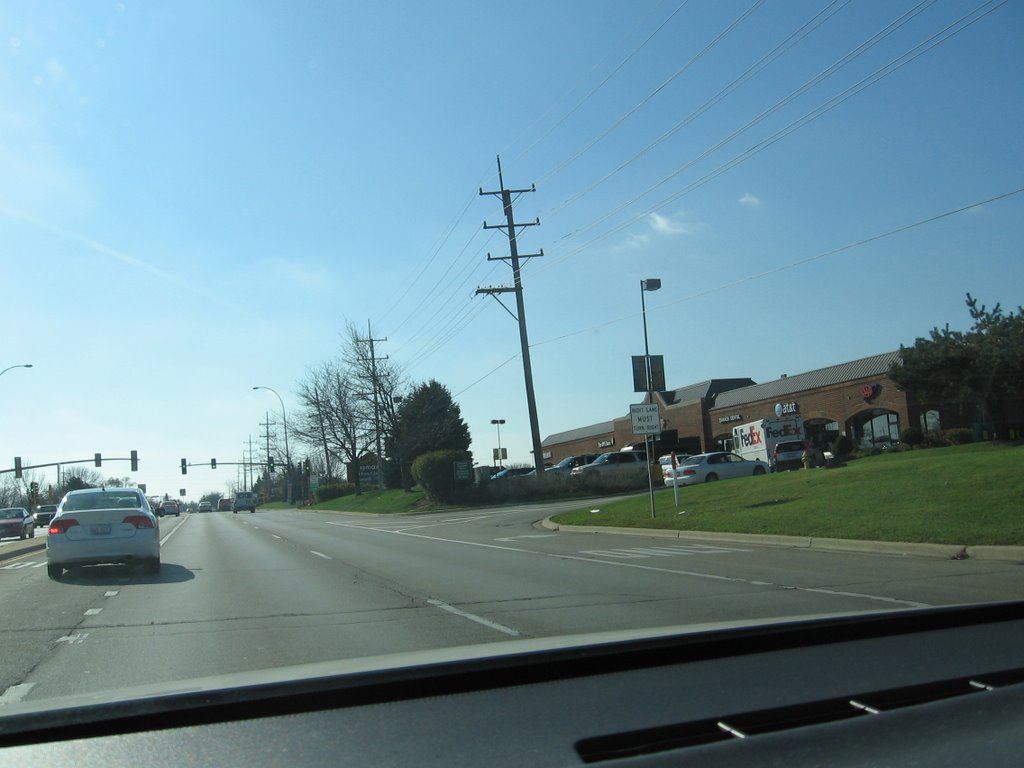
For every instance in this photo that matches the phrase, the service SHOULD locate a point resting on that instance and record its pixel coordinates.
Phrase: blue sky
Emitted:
(195, 198)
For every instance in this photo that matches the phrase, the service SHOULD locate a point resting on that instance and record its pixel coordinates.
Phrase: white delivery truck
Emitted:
(757, 440)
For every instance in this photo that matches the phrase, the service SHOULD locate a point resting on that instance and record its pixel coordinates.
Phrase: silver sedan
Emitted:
(103, 525)
(708, 467)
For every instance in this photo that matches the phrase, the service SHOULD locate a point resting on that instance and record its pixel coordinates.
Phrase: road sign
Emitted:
(646, 419)
(463, 470)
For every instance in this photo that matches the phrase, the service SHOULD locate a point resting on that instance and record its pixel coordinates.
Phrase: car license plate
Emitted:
(100, 529)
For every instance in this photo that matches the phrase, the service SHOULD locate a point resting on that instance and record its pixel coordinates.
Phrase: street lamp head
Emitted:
(650, 284)
(497, 421)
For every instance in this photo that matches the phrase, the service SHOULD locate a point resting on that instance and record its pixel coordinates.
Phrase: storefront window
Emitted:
(877, 429)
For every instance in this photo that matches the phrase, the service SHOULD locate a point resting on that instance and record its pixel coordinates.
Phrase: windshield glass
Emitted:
(327, 267)
(10, 514)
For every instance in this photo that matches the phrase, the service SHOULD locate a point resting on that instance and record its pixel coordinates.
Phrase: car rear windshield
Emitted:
(102, 501)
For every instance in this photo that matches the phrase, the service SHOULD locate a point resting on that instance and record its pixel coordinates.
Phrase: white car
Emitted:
(666, 465)
(708, 467)
(103, 525)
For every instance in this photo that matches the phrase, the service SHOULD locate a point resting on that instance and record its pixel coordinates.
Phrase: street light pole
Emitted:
(11, 367)
(287, 454)
(650, 284)
(497, 423)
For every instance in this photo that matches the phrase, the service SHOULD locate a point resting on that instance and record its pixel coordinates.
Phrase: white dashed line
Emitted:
(110, 593)
(321, 554)
(15, 693)
(93, 611)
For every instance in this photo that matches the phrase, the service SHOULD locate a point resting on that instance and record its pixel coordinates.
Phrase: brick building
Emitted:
(856, 398)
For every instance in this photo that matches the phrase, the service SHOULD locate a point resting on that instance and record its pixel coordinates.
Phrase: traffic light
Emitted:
(135, 461)
(34, 492)
(17, 467)
(309, 467)
(270, 463)
(213, 463)
(98, 459)
(184, 466)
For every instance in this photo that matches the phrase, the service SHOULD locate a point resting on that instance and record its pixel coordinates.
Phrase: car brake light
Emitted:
(61, 525)
(139, 521)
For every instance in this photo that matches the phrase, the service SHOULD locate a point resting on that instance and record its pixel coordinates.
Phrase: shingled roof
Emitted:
(876, 365)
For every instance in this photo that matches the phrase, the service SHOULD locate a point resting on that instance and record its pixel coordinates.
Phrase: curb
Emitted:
(900, 548)
(16, 550)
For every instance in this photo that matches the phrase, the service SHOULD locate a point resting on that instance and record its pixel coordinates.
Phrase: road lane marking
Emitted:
(177, 528)
(93, 611)
(528, 536)
(638, 566)
(110, 593)
(321, 554)
(639, 553)
(16, 566)
(15, 693)
(473, 617)
(76, 639)
(275, 536)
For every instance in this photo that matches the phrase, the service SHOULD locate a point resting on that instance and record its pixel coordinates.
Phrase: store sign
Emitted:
(606, 443)
(870, 391)
(786, 409)
(728, 419)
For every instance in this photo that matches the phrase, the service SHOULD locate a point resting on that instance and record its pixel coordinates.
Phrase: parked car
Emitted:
(17, 521)
(788, 455)
(205, 506)
(45, 513)
(224, 505)
(626, 465)
(719, 465)
(512, 472)
(245, 500)
(99, 525)
(666, 466)
(569, 463)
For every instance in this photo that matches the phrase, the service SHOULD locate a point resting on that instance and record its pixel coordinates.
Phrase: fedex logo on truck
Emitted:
(752, 436)
(784, 430)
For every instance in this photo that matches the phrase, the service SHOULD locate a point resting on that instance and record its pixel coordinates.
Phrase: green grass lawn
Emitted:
(971, 495)
(378, 502)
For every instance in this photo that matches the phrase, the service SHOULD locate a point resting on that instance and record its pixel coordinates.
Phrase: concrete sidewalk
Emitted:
(943, 551)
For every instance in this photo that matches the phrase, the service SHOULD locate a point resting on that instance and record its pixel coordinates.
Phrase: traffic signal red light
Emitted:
(135, 461)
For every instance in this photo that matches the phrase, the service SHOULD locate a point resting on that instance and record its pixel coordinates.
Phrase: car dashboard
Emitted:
(928, 687)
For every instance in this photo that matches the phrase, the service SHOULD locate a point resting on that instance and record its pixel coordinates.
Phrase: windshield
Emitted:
(326, 267)
(11, 514)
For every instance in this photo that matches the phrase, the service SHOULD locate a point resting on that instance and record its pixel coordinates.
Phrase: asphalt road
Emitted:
(244, 592)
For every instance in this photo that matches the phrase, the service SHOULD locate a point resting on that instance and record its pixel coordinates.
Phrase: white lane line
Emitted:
(16, 566)
(321, 554)
(15, 693)
(76, 639)
(473, 617)
(177, 528)
(655, 569)
(39, 565)
(110, 593)
(528, 536)
(93, 611)
(275, 536)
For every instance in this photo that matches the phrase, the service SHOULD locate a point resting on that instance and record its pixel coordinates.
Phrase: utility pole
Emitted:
(376, 398)
(266, 435)
(511, 230)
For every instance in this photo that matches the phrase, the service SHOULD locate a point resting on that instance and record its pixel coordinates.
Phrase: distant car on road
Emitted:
(245, 500)
(224, 505)
(44, 513)
(17, 521)
(205, 506)
(719, 465)
(99, 525)
(170, 507)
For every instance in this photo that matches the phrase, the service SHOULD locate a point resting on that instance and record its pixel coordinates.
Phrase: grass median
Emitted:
(971, 495)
